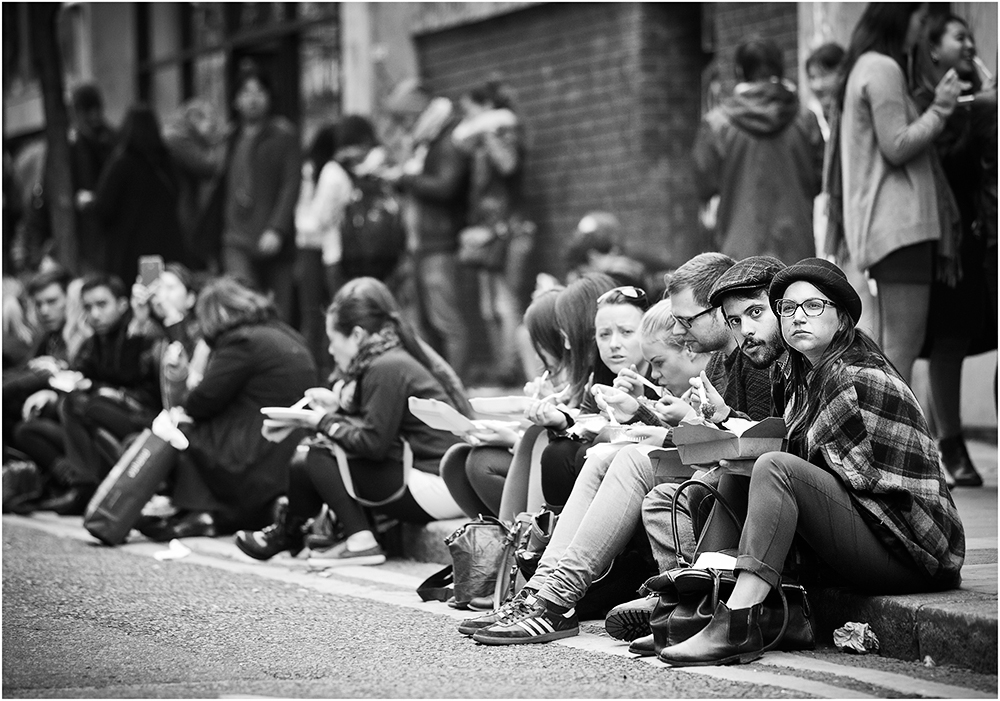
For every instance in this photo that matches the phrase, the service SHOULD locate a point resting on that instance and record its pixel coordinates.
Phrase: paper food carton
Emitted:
(441, 416)
(701, 444)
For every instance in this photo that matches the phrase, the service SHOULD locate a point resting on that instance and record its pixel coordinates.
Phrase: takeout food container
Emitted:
(700, 443)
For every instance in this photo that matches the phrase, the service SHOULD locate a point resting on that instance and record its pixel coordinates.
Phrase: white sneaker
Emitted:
(339, 555)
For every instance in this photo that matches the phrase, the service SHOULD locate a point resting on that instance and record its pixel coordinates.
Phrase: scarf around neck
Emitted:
(378, 343)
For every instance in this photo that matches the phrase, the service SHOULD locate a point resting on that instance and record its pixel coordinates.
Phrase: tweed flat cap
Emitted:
(825, 276)
(747, 274)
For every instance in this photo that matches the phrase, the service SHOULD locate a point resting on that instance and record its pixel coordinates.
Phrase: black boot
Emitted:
(284, 534)
(731, 636)
(956, 460)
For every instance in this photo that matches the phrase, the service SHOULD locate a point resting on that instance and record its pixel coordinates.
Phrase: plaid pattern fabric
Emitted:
(872, 434)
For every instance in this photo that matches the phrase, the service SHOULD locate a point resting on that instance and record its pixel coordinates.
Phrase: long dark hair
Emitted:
(882, 28)
(543, 330)
(141, 136)
(368, 303)
(321, 149)
(576, 307)
(807, 384)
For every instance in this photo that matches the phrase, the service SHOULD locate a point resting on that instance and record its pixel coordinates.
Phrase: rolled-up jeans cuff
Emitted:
(746, 563)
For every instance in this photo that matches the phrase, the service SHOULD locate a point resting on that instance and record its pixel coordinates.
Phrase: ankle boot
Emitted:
(731, 636)
(286, 533)
(956, 460)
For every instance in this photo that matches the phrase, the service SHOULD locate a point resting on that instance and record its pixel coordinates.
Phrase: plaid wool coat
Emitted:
(871, 433)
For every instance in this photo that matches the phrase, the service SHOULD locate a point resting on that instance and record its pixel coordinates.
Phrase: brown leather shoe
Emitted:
(731, 636)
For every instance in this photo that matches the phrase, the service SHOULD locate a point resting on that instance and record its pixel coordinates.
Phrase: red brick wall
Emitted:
(609, 93)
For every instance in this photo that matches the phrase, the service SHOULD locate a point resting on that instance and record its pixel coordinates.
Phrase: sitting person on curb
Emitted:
(862, 483)
(47, 292)
(368, 450)
(230, 476)
(601, 514)
(169, 303)
(622, 479)
(119, 391)
(741, 293)
(476, 474)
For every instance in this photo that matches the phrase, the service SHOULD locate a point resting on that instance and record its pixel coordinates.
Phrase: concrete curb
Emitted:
(955, 627)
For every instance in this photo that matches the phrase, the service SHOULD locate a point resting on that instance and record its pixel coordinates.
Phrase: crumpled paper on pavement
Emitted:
(856, 638)
(175, 551)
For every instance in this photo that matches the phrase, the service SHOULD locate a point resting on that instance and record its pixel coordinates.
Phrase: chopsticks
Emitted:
(301, 404)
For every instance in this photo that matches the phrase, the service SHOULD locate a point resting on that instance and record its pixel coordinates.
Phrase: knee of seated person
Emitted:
(76, 403)
(773, 464)
(631, 459)
(659, 498)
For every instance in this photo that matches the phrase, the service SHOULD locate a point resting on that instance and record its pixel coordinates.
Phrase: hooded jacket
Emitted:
(761, 151)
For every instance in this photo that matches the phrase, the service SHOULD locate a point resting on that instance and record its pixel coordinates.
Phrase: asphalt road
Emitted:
(82, 620)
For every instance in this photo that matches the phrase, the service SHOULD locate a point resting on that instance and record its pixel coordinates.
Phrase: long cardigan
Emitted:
(890, 199)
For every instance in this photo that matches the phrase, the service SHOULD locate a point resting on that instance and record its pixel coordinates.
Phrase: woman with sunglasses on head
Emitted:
(861, 484)
(617, 314)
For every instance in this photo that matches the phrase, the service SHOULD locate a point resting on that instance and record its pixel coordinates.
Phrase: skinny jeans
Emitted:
(790, 496)
(599, 518)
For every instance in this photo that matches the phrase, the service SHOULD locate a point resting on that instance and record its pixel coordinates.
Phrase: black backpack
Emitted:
(372, 232)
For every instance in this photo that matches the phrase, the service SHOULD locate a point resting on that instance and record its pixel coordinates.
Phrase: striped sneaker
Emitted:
(535, 624)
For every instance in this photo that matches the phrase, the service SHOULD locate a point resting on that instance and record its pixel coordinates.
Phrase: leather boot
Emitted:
(643, 647)
(956, 460)
(731, 636)
(286, 533)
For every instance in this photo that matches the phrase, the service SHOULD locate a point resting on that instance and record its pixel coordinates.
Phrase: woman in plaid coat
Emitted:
(861, 486)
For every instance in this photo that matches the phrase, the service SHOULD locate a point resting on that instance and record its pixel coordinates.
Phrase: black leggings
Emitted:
(475, 477)
(42, 440)
(562, 461)
(317, 481)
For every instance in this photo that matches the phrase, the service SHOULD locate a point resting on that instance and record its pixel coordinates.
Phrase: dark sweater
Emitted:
(384, 416)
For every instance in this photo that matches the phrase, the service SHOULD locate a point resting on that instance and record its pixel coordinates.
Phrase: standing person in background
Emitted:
(136, 197)
(91, 144)
(959, 309)
(256, 198)
(761, 151)
(823, 72)
(196, 141)
(491, 134)
(881, 175)
(325, 191)
(436, 180)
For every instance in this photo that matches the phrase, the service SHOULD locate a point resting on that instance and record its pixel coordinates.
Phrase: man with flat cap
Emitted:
(741, 292)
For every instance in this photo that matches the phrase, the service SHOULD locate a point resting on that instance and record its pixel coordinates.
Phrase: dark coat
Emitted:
(125, 358)
(136, 203)
(276, 177)
(440, 193)
(251, 367)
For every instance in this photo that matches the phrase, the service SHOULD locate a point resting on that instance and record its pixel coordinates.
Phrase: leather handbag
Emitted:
(688, 596)
(481, 553)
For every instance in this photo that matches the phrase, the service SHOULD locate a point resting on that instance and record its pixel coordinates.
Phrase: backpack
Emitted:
(372, 232)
